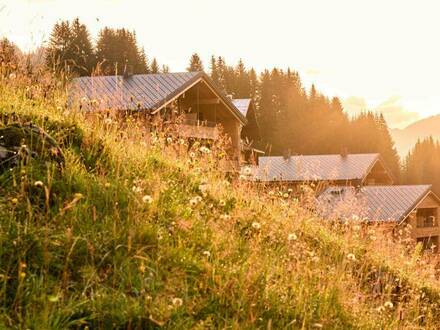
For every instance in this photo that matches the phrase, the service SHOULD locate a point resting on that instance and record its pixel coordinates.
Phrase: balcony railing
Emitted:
(198, 129)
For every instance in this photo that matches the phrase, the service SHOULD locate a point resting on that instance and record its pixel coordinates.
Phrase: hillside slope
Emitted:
(135, 232)
(406, 138)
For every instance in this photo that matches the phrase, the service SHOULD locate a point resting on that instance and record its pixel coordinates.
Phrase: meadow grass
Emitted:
(141, 230)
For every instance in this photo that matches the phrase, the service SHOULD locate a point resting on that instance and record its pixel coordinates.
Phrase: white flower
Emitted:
(247, 170)
(286, 195)
(351, 257)
(169, 140)
(204, 150)
(256, 225)
(225, 217)
(388, 304)
(38, 184)
(292, 237)
(182, 141)
(242, 177)
(177, 302)
(203, 187)
(147, 199)
(192, 154)
(355, 217)
(207, 254)
(195, 200)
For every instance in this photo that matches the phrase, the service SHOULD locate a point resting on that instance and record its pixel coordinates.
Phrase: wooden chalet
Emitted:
(391, 206)
(188, 99)
(323, 170)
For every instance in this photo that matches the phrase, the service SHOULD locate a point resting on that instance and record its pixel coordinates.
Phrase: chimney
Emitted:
(128, 70)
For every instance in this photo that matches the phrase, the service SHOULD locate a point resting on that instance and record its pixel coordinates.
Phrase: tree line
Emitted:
(70, 49)
(291, 118)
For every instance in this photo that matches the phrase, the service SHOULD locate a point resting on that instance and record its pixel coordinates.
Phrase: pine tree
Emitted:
(59, 53)
(243, 83)
(70, 48)
(214, 70)
(195, 63)
(154, 68)
(82, 49)
(117, 51)
(9, 57)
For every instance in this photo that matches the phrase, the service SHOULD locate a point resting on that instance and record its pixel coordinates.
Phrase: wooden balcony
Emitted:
(198, 129)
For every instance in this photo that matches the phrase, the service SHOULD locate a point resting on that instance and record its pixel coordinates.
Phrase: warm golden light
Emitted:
(381, 52)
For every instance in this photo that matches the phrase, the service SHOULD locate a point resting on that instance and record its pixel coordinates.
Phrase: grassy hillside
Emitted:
(135, 232)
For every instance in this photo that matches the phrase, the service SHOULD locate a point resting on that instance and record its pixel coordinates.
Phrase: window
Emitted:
(427, 218)
(429, 243)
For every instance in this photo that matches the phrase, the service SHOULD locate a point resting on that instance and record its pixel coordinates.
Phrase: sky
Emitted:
(380, 55)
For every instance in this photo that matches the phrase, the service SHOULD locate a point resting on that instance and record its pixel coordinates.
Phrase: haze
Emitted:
(373, 54)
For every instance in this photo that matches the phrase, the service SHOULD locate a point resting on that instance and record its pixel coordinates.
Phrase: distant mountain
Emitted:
(407, 137)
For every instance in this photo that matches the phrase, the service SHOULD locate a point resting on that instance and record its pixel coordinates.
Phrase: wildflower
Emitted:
(271, 193)
(14, 201)
(247, 170)
(147, 199)
(388, 304)
(286, 195)
(53, 298)
(194, 201)
(177, 302)
(292, 237)
(222, 202)
(181, 141)
(355, 217)
(203, 187)
(108, 121)
(242, 177)
(290, 190)
(136, 189)
(380, 309)
(142, 268)
(192, 154)
(22, 275)
(78, 196)
(207, 254)
(225, 217)
(256, 225)
(351, 257)
(204, 150)
(38, 184)
(315, 258)
(169, 140)
(107, 185)
(84, 100)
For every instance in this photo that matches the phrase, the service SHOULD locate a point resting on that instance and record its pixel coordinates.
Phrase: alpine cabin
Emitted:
(188, 99)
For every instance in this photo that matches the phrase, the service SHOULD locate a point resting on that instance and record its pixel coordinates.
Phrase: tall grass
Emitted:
(143, 231)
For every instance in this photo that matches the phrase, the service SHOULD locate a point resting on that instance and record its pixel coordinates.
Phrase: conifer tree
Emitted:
(70, 48)
(9, 57)
(195, 63)
(117, 51)
(154, 68)
(214, 70)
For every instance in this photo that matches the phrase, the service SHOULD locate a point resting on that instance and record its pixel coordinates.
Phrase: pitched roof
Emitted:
(373, 203)
(242, 105)
(140, 91)
(315, 167)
